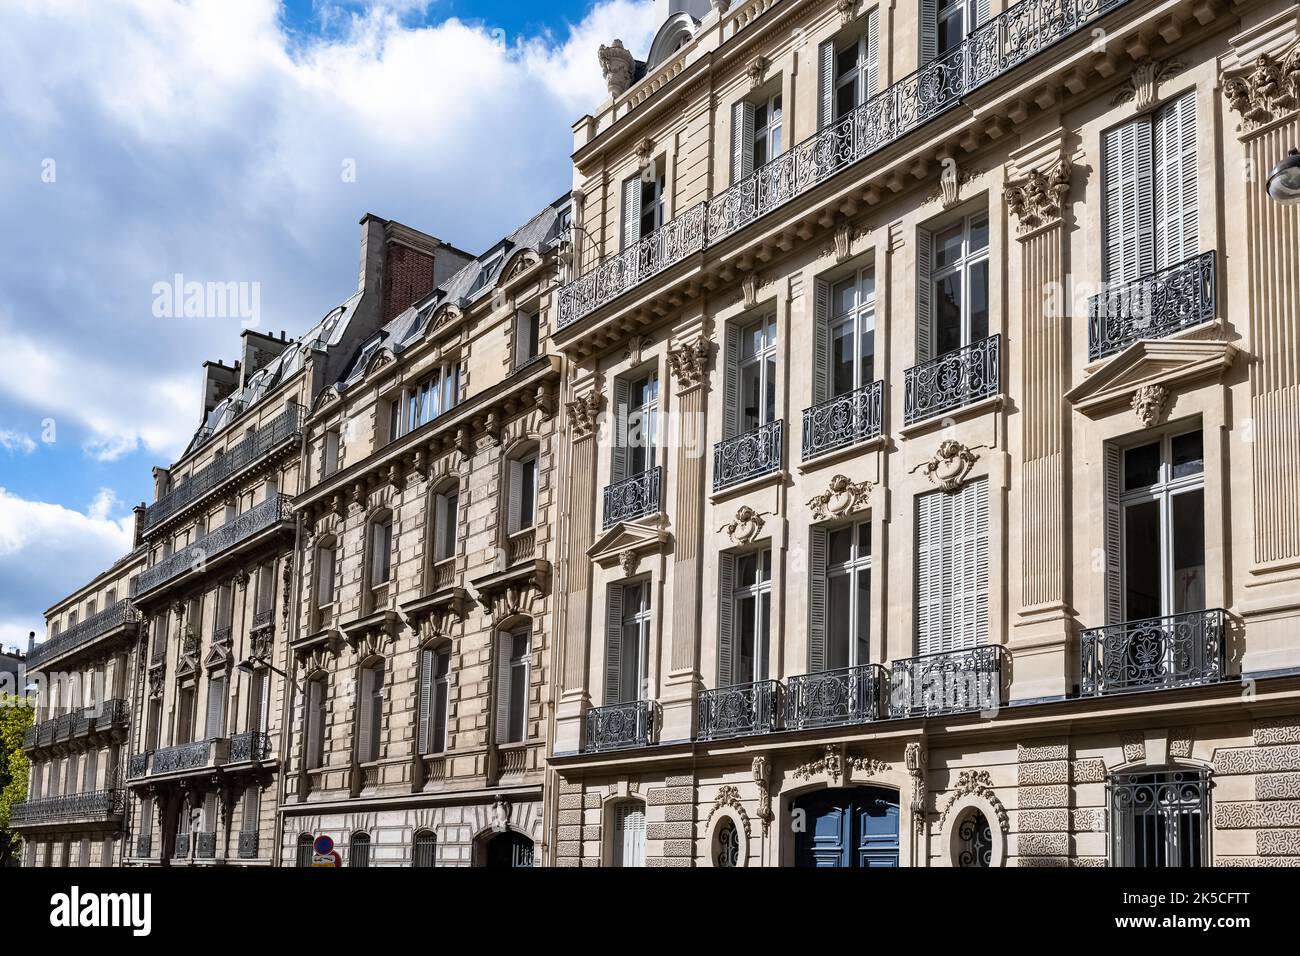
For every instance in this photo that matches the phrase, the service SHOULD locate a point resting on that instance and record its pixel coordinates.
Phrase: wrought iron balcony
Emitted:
(138, 765)
(740, 709)
(620, 726)
(182, 847)
(250, 745)
(850, 695)
(843, 421)
(191, 756)
(144, 845)
(946, 682)
(247, 844)
(206, 846)
(275, 509)
(749, 455)
(1153, 306)
(118, 615)
(954, 380)
(286, 425)
(1180, 650)
(633, 497)
(95, 805)
(76, 724)
(1000, 45)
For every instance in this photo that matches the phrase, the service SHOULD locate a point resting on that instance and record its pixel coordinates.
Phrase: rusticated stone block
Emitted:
(1257, 759)
(1254, 861)
(665, 795)
(669, 831)
(1255, 816)
(1044, 844)
(591, 833)
(1277, 786)
(1089, 820)
(679, 848)
(1043, 861)
(571, 801)
(1047, 771)
(568, 848)
(1041, 797)
(568, 833)
(1088, 861)
(1037, 752)
(1278, 842)
(682, 781)
(678, 812)
(1277, 730)
(591, 801)
(569, 818)
(1091, 770)
(1043, 821)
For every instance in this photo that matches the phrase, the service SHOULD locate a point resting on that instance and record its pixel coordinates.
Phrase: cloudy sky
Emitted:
(232, 141)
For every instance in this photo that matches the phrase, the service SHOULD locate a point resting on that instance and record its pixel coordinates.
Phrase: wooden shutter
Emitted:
(924, 296)
(927, 573)
(1175, 182)
(618, 464)
(731, 377)
(816, 599)
(426, 699)
(631, 211)
(1114, 536)
(614, 645)
(504, 643)
(821, 342)
(929, 23)
(1128, 207)
(981, 13)
(91, 771)
(315, 728)
(826, 83)
(629, 834)
(872, 77)
(516, 484)
(364, 713)
(726, 585)
(216, 707)
(742, 140)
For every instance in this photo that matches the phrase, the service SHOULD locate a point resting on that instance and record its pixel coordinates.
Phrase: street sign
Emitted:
(331, 859)
(323, 845)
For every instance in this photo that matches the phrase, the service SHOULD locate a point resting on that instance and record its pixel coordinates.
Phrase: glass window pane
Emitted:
(862, 631)
(1189, 551)
(1141, 466)
(843, 298)
(842, 378)
(864, 540)
(846, 61)
(979, 301)
(838, 622)
(840, 546)
(1142, 560)
(765, 565)
(979, 233)
(746, 570)
(947, 313)
(746, 633)
(947, 247)
(846, 98)
(750, 384)
(769, 398)
(760, 643)
(866, 350)
(1188, 455)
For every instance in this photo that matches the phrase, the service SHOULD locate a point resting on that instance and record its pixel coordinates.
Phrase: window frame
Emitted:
(856, 564)
(967, 261)
(858, 314)
(766, 358)
(762, 587)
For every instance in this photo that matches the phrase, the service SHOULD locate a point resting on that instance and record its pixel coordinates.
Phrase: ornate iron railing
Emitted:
(274, 509)
(247, 844)
(144, 845)
(63, 726)
(138, 765)
(265, 617)
(619, 726)
(67, 808)
(946, 682)
(740, 709)
(1180, 650)
(633, 497)
(287, 424)
(181, 757)
(1153, 306)
(250, 745)
(182, 847)
(206, 846)
(76, 723)
(748, 455)
(1001, 44)
(116, 615)
(1160, 819)
(955, 379)
(843, 421)
(850, 695)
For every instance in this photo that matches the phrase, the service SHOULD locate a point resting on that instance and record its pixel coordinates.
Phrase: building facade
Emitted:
(422, 650)
(932, 440)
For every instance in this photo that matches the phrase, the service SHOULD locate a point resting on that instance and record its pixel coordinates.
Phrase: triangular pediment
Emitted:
(218, 656)
(627, 536)
(1173, 364)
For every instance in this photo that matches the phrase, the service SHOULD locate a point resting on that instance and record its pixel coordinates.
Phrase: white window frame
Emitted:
(767, 350)
(381, 552)
(370, 740)
(856, 563)
(859, 75)
(434, 717)
(446, 504)
(635, 620)
(517, 677)
(768, 133)
(967, 260)
(629, 832)
(525, 471)
(327, 568)
(434, 396)
(762, 587)
(528, 335)
(861, 317)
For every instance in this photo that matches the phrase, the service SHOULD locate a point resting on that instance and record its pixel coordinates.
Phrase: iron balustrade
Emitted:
(633, 497)
(275, 509)
(263, 618)
(748, 455)
(67, 808)
(181, 757)
(182, 848)
(144, 845)
(954, 380)
(206, 847)
(286, 425)
(848, 695)
(1001, 44)
(1159, 818)
(76, 723)
(1153, 306)
(1178, 650)
(247, 844)
(740, 709)
(620, 726)
(946, 682)
(250, 745)
(63, 726)
(110, 619)
(138, 765)
(844, 420)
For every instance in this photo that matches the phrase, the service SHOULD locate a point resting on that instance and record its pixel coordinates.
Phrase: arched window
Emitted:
(379, 558)
(974, 840)
(1159, 816)
(359, 855)
(425, 851)
(304, 849)
(316, 717)
(629, 834)
(370, 712)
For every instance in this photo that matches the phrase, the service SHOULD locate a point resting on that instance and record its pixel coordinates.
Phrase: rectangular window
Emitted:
(326, 575)
(519, 653)
(755, 372)
(444, 526)
(185, 714)
(636, 410)
(643, 204)
(851, 332)
(528, 331)
(523, 494)
(216, 725)
(370, 713)
(952, 568)
(435, 686)
(848, 596)
(627, 642)
(755, 134)
(394, 419)
(435, 396)
(330, 459)
(746, 621)
(848, 71)
(945, 24)
(381, 556)
(316, 717)
(954, 304)
(629, 834)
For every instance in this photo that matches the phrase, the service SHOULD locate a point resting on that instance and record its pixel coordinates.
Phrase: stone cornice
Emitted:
(1169, 364)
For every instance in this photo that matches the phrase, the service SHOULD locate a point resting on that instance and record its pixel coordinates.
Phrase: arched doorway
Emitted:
(509, 850)
(847, 827)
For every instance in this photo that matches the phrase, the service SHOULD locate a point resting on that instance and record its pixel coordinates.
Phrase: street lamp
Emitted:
(1284, 180)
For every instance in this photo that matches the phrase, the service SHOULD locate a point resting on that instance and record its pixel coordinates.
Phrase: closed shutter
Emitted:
(426, 695)
(952, 579)
(929, 18)
(826, 83)
(821, 342)
(629, 828)
(816, 599)
(631, 212)
(614, 645)
(726, 585)
(365, 715)
(731, 398)
(924, 295)
(216, 707)
(618, 465)
(981, 12)
(742, 140)
(514, 520)
(1128, 206)
(928, 573)
(262, 686)
(504, 643)
(315, 722)
(873, 54)
(325, 585)
(90, 783)
(1175, 182)
(1114, 537)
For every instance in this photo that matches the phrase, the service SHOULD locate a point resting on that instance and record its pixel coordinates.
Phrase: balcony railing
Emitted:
(284, 426)
(946, 682)
(117, 615)
(250, 745)
(1180, 650)
(273, 510)
(1000, 45)
(747, 456)
(1153, 306)
(247, 844)
(633, 497)
(740, 709)
(954, 380)
(182, 847)
(144, 845)
(843, 421)
(849, 695)
(138, 765)
(620, 726)
(207, 845)
(66, 809)
(182, 757)
(76, 724)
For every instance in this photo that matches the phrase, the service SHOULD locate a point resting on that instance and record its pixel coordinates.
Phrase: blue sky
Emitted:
(140, 139)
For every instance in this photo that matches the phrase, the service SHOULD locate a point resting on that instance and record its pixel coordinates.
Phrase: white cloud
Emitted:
(16, 442)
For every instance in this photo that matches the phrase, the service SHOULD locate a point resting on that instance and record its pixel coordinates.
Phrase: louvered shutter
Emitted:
(426, 699)
(816, 599)
(1114, 537)
(1175, 182)
(631, 212)
(731, 398)
(927, 574)
(821, 342)
(70, 779)
(929, 23)
(614, 646)
(924, 295)
(514, 518)
(504, 643)
(742, 140)
(629, 827)
(618, 466)
(89, 783)
(441, 693)
(873, 54)
(315, 696)
(981, 12)
(946, 558)
(364, 718)
(216, 707)
(1129, 212)
(726, 585)
(826, 83)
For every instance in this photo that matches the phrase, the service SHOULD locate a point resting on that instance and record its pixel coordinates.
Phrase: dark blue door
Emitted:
(847, 827)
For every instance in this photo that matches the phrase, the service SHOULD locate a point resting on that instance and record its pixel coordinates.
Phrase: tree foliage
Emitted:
(16, 715)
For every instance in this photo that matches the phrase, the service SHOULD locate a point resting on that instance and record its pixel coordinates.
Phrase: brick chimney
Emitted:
(403, 264)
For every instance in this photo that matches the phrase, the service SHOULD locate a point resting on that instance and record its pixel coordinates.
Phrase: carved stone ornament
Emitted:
(616, 66)
(689, 362)
(950, 464)
(762, 772)
(749, 290)
(747, 526)
(1142, 84)
(729, 796)
(950, 181)
(757, 72)
(1149, 403)
(975, 783)
(500, 814)
(644, 150)
(843, 240)
(1271, 88)
(584, 412)
(915, 757)
(1040, 197)
(628, 561)
(842, 497)
(828, 763)
(847, 10)
(720, 6)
